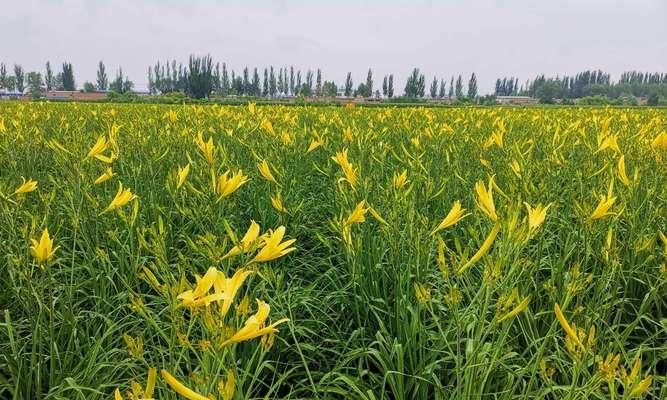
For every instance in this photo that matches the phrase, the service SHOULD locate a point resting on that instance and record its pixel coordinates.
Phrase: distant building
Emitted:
(74, 95)
(4, 95)
(516, 100)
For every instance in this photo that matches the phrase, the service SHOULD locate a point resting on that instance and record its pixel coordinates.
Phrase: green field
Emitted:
(391, 291)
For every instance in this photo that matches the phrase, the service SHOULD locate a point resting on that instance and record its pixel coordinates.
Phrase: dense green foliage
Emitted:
(378, 309)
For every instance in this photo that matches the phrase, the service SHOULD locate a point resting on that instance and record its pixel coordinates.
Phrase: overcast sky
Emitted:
(492, 38)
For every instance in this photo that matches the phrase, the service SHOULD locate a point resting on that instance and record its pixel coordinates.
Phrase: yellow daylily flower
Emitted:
(123, 196)
(180, 388)
(200, 296)
(227, 388)
(254, 326)
(482, 250)
(358, 214)
(98, 148)
(516, 310)
(602, 209)
(182, 175)
(622, 175)
(566, 326)
(139, 392)
(314, 144)
(272, 248)
(206, 148)
(536, 215)
(108, 174)
(422, 293)
(660, 142)
(247, 241)
(455, 214)
(265, 171)
(229, 286)
(43, 250)
(485, 199)
(277, 203)
(26, 186)
(227, 186)
(348, 170)
(400, 180)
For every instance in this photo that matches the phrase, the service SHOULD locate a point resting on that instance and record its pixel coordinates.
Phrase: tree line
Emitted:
(200, 78)
(597, 83)
(36, 82)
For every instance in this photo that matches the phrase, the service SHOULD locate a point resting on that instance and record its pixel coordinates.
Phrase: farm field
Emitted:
(332, 252)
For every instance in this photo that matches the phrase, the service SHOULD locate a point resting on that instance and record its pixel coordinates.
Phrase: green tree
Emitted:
(281, 82)
(256, 89)
(272, 82)
(68, 77)
(450, 94)
(265, 83)
(653, 99)
(246, 83)
(459, 87)
(329, 89)
(318, 84)
(434, 88)
(89, 87)
(10, 83)
(384, 86)
(224, 84)
(548, 91)
(442, 92)
(199, 77)
(102, 80)
(291, 80)
(472, 86)
(415, 84)
(369, 83)
(19, 78)
(49, 79)
(3, 76)
(390, 86)
(35, 84)
(348, 85)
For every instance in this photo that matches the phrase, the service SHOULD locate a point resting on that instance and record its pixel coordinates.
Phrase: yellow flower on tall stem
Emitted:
(348, 170)
(621, 172)
(265, 171)
(255, 325)
(180, 388)
(314, 144)
(566, 326)
(206, 148)
(358, 214)
(485, 199)
(537, 215)
(247, 241)
(26, 187)
(602, 209)
(139, 392)
(482, 250)
(272, 248)
(400, 180)
(277, 203)
(456, 213)
(182, 175)
(98, 148)
(123, 196)
(43, 250)
(108, 174)
(226, 186)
